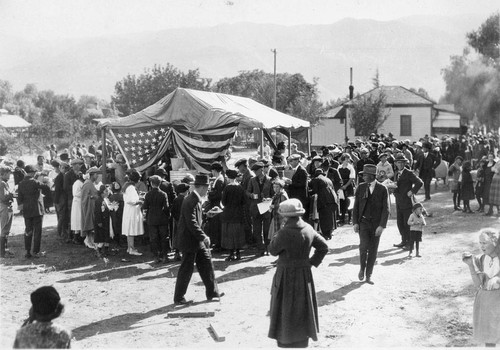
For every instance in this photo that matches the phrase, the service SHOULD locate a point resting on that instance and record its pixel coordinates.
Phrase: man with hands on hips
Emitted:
(370, 215)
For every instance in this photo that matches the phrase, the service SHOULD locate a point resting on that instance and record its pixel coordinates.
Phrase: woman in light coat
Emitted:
(132, 222)
(76, 206)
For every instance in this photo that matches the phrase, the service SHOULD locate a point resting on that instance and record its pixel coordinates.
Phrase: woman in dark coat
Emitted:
(467, 186)
(480, 184)
(213, 225)
(294, 310)
(234, 200)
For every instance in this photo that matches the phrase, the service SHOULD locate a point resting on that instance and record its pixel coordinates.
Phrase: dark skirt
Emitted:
(416, 236)
(467, 192)
(232, 235)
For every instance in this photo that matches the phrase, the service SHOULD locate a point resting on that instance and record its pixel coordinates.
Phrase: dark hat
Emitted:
(115, 187)
(427, 145)
(55, 163)
(182, 187)
(318, 172)
(201, 180)
(291, 207)
(417, 205)
(325, 163)
(231, 174)
(400, 158)
(370, 169)
(101, 190)
(45, 300)
(161, 172)
(30, 169)
(257, 165)
(273, 173)
(239, 162)
(317, 158)
(217, 166)
(64, 157)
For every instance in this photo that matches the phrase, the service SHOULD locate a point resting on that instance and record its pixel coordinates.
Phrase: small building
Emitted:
(12, 124)
(411, 116)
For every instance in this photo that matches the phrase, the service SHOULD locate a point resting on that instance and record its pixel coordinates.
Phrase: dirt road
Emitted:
(417, 302)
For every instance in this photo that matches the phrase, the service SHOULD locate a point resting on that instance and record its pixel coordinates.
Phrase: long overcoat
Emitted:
(294, 310)
(89, 195)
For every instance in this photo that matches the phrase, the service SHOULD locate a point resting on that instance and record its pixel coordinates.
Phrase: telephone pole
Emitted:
(274, 79)
(351, 95)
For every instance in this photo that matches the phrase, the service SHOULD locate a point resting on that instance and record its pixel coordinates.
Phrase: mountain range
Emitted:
(410, 52)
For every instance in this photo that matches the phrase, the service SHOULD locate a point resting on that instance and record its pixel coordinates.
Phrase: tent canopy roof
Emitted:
(199, 110)
(9, 121)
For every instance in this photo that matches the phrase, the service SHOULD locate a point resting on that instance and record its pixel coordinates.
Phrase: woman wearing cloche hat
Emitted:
(294, 316)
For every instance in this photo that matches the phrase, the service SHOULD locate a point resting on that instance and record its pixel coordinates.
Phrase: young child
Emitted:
(467, 187)
(417, 223)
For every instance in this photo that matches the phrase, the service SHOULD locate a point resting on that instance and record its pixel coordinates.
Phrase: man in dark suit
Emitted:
(426, 165)
(370, 214)
(297, 185)
(408, 185)
(247, 174)
(61, 199)
(326, 202)
(29, 195)
(260, 188)
(194, 245)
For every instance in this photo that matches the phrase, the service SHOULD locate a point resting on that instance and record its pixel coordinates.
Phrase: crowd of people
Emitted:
(249, 206)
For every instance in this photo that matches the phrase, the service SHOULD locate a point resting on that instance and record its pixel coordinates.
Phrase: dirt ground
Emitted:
(415, 302)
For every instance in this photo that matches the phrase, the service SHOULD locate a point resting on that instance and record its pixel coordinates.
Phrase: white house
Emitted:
(411, 116)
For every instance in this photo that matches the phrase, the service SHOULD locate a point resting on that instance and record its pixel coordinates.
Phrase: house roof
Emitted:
(396, 95)
(447, 108)
(335, 113)
(10, 121)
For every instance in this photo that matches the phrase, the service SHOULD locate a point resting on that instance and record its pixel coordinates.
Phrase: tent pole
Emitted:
(308, 141)
(289, 142)
(261, 143)
(104, 154)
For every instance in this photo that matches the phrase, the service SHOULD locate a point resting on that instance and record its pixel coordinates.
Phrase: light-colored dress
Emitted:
(486, 314)
(76, 206)
(132, 222)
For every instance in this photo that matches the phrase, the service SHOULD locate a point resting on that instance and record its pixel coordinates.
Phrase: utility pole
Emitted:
(351, 94)
(274, 79)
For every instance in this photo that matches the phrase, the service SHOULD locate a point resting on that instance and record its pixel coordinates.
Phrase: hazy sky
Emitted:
(48, 19)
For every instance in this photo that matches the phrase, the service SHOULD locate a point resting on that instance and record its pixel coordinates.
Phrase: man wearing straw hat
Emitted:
(370, 214)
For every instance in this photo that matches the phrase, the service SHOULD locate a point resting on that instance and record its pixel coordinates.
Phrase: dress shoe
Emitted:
(183, 301)
(369, 280)
(405, 248)
(28, 255)
(229, 258)
(133, 251)
(400, 245)
(216, 297)
(361, 275)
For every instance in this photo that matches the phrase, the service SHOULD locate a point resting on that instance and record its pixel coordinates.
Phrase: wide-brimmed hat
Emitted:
(400, 158)
(201, 180)
(45, 300)
(93, 170)
(317, 159)
(291, 207)
(77, 161)
(417, 205)
(64, 157)
(370, 169)
(239, 162)
(181, 188)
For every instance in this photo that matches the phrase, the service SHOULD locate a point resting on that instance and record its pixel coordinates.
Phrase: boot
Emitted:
(2, 247)
(238, 255)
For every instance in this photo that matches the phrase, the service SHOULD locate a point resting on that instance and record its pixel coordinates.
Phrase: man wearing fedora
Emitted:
(408, 185)
(29, 195)
(69, 179)
(298, 184)
(426, 164)
(194, 245)
(370, 214)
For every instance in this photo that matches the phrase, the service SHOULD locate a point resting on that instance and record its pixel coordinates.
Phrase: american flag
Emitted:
(141, 147)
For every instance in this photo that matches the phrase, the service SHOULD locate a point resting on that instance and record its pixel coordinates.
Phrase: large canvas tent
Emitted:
(200, 125)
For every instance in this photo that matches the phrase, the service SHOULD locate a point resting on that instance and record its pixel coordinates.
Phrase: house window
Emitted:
(405, 125)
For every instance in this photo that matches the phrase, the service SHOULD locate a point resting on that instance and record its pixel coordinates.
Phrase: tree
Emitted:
(376, 80)
(486, 40)
(134, 93)
(294, 95)
(6, 94)
(368, 114)
(422, 92)
(472, 82)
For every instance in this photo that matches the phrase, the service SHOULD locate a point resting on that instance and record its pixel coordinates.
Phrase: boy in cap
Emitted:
(416, 221)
